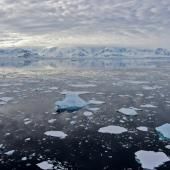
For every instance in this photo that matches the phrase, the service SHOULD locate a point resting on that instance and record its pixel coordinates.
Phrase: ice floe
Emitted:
(6, 99)
(164, 131)
(128, 111)
(150, 159)
(83, 85)
(96, 102)
(112, 129)
(9, 153)
(51, 120)
(148, 106)
(72, 102)
(87, 113)
(167, 146)
(142, 128)
(45, 165)
(58, 134)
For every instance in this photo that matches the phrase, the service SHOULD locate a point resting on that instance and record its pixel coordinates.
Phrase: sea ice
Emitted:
(58, 134)
(45, 165)
(72, 102)
(128, 111)
(6, 99)
(9, 153)
(96, 102)
(112, 129)
(142, 128)
(87, 113)
(164, 130)
(83, 85)
(148, 106)
(51, 120)
(150, 159)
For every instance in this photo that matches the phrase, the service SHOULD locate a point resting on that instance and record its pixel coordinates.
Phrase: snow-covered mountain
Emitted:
(88, 56)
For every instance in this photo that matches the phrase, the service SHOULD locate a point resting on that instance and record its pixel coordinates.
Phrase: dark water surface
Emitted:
(84, 148)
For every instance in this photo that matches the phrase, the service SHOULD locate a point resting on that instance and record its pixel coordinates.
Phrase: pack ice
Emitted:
(164, 131)
(150, 159)
(58, 134)
(112, 129)
(128, 111)
(72, 102)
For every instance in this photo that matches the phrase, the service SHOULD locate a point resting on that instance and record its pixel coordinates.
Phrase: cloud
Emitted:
(56, 22)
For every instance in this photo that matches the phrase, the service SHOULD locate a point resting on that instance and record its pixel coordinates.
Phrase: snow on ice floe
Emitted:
(148, 106)
(150, 159)
(142, 128)
(58, 134)
(72, 102)
(83, 85)
(112, 129)
(128, 111)
(164, 131)
(45, 165)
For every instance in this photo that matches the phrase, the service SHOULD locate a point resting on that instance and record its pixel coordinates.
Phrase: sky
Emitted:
(143, 23)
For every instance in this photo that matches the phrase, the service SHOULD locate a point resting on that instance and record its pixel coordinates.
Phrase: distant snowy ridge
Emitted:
(110, 57)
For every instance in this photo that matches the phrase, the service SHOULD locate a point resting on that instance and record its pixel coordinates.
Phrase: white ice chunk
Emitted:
(6, 99)
(83, 85)
(142, 128)
(87, 113)
(58, 134)
(45, 165)
(164, 130)
(97, 102)
(148, 106)
(53, 88)
(51, 120)
(128, 111)
(70, 103)
(112, 129)
(9, 153)
(150, 159)
(167, 146)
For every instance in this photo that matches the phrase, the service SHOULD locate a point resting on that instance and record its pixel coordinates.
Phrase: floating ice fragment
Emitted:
(58, 134)
(87, 113)
(112, 129)
(83, 85)
(150, 159)
(148, 106)
(142, 128)
(128, 111)
(167, 146)
(51, 120)
(9, 153)
(96, 102)
(6, 99)
(164, 131)
(72, 102)
(45, 165)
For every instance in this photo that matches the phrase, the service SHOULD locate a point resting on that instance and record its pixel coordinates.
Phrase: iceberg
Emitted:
(72, 102)
(112, 129)
(164, 131)
(150, 159)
